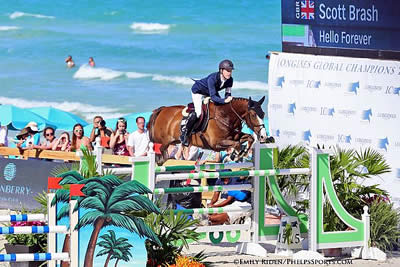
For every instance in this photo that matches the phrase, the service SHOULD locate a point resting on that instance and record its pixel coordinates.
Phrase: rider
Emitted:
(208, 86)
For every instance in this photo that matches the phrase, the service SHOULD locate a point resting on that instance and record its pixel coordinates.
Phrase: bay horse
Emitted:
(224, 128)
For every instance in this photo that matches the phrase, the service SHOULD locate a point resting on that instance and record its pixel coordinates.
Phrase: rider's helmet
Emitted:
(226, 64)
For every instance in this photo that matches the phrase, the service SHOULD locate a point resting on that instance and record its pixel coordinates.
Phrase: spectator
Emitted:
(138, 142)
(70, 63)
(50, 139)
(234, 198)
(91, 62)
(29, 135)
(78, 139)
(100, 129)
(3, 136)
(63, 143)
(119, 138)
(187, 153)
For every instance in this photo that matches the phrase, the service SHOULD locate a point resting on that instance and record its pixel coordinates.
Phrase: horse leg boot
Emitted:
(187, 127)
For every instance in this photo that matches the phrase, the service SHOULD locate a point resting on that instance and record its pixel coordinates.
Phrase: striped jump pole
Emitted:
(213, 210)
(34, 257)
(184, 176)
(204, 167)
(33, 229)
(23, 218)
(177, 190)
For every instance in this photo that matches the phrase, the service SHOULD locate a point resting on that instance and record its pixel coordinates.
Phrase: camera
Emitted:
(103, 123)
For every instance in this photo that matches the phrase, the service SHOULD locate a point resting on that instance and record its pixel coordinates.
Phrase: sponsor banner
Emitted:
(22, 180)
(350, 102)
(368, 24)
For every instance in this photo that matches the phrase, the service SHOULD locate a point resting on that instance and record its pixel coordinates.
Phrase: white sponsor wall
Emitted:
(350, 102)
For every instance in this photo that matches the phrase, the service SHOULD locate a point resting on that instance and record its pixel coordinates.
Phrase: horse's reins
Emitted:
(243, 121)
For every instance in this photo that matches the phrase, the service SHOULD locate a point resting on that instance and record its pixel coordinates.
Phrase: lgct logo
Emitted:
(396, 91)
(307, 136)
(392, 90)
(327, 111)
(353, 87)
(313, 84)
(292, 108)
(342, 138)
(280, 81)
(383, 143)
(366, 115)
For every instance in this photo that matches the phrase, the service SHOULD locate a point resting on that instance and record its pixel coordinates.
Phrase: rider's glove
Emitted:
(228, 99)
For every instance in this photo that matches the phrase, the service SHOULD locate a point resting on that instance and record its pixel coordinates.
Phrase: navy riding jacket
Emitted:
(210, 86)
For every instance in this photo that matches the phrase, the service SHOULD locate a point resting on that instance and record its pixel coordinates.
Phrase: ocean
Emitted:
(146, 52)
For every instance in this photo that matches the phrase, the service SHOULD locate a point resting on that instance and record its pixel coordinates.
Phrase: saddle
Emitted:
(202, 122)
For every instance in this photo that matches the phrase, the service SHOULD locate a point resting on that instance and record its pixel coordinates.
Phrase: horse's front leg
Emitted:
(250, 140)
(225, 144)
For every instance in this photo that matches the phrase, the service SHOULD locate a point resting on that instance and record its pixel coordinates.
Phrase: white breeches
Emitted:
(197, 101)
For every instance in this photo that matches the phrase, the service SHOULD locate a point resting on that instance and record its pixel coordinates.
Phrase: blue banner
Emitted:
(366, 24)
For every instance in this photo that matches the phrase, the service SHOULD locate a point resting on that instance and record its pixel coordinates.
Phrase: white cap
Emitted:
(33, 126)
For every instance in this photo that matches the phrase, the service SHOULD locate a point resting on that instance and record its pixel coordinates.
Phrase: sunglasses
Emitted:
(49, 134)
(121, 120)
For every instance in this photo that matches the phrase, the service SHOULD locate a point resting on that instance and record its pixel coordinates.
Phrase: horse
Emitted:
(224, 128)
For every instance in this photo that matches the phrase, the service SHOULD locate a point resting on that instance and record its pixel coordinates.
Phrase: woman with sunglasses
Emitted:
(119, 138)
(50, 139)
(63, 143)
(78, 139)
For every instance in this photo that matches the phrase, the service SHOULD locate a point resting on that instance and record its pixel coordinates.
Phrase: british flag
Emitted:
(307, 9)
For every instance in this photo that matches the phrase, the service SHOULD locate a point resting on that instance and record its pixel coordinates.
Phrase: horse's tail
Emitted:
(150, 124)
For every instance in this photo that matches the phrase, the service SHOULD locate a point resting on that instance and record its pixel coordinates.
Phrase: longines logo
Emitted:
(332, 85)
(352, 88)
(276, 107)
(383, 143)
(373, 88)
(296, 82)
(325, 137)
(291, 108)
(386, 116)
(366, 115)
(308, 109)
(288, 134)
(346, 112)
(363, 141)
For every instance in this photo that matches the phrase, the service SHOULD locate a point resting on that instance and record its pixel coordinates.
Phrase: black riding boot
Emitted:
(187, 127)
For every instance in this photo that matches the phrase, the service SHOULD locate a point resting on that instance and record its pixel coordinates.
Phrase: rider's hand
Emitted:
(228, 99)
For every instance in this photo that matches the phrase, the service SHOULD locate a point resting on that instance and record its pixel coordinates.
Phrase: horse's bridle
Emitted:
(261, 126)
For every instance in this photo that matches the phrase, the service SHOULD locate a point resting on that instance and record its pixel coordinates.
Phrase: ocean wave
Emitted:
(111, 13)
(150, 28)
(18, 14)
(250, 85)
(174, 79)
(9, 28)
(86, 111)
(87, 72)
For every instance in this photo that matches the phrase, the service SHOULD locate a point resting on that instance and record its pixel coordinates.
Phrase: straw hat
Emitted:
(33, 125)
(22, 132)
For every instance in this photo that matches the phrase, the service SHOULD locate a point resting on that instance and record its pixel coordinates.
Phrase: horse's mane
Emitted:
(240, 99)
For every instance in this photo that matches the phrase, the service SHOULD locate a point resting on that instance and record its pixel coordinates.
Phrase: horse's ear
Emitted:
(261, 100)
(251, 102)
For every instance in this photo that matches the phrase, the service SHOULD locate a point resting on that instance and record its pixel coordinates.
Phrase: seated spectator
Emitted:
(100, 129)
(234, 198)
(63, 143)
(138, 142)
(3, 136)
(119, 138)
(91, 62)
(78, 139)
(50, 139)
(29, 135)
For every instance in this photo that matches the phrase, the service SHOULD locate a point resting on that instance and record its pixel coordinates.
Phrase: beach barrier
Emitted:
(51, 229)
(263, 173)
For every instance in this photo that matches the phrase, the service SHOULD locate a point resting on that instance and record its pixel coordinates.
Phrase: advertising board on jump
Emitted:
(350, 24)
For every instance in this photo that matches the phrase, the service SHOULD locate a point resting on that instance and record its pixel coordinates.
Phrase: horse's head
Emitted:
(255, 119)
